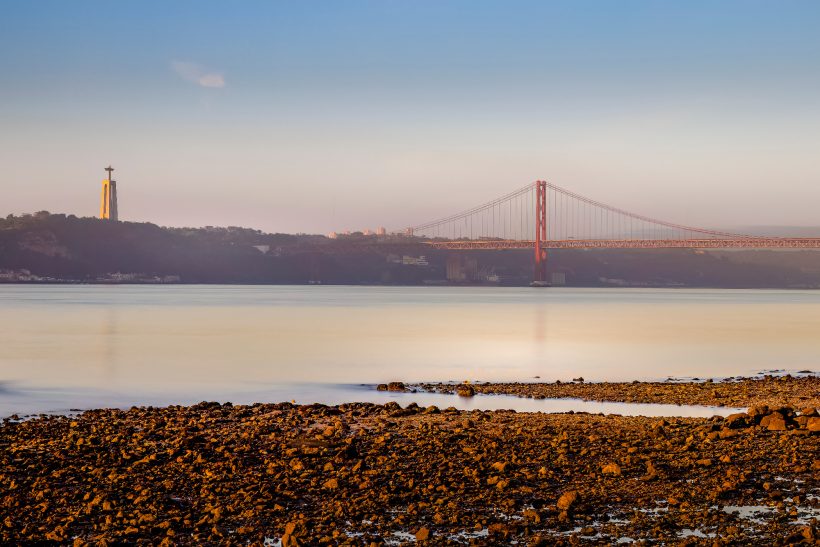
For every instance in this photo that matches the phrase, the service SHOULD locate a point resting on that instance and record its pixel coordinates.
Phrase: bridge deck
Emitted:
(716, 243)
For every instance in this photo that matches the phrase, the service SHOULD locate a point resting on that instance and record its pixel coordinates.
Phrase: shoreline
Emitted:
(650, 398)
(745, 392)
(756, 288)
(385, 475)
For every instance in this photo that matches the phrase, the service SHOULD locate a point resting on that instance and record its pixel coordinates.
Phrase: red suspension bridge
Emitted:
(545, 216)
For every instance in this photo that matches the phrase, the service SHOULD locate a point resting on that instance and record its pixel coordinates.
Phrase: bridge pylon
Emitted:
(540, 273)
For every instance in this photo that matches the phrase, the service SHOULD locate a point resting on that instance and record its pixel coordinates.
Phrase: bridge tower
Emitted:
(540, 274)
(108, 204)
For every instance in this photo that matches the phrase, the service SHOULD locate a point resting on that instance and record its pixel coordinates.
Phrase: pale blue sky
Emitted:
(312, 116)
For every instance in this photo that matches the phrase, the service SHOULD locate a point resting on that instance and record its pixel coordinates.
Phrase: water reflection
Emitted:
(108, 344)
(178, 343)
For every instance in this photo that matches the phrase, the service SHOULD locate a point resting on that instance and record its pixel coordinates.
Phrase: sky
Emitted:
(294, 116)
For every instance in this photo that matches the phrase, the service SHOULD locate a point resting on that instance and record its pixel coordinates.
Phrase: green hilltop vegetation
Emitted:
(45, 247)
(68, 248)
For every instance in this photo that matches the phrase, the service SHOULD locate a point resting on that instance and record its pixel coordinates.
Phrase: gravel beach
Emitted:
(364, 474)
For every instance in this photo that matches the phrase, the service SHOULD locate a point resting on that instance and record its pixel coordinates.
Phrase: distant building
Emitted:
(333, 235)
(380, 231)
(120, 277)
(264, 249)
(367, 232)
(108, 204)
(413, 261)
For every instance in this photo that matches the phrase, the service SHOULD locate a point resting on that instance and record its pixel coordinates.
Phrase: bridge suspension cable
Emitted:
(569, 216)
(543, 216)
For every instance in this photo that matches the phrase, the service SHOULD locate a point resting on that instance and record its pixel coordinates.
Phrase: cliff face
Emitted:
(46, 247)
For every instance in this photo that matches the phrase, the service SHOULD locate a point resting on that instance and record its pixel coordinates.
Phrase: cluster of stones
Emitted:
(767, 390)
(463, 390)
(358, 474)
(779, 419)
(394, 386)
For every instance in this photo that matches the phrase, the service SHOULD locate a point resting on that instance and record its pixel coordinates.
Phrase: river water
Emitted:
(78, 346)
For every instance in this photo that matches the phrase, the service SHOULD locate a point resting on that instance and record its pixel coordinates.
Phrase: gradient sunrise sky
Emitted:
(316, 116)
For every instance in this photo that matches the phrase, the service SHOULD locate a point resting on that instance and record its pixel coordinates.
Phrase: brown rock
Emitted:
(498, 529)
(423, 534)
(774, 422)
(735, 421)
(291, 541)
(611, 469)
(500, 466)
(813, 424)
(465, 390)
(727, 433)
(567, 500)
(758, 411)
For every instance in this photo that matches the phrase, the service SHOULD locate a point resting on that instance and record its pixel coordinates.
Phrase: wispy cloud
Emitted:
(198, 74)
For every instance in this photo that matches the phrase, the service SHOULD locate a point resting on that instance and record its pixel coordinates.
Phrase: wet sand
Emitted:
(365, 474)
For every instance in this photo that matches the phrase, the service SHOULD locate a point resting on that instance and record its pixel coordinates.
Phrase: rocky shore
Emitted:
(364, 474)
(802, 391)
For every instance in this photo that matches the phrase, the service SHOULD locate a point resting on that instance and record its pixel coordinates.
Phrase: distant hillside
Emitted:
(67, 248)
(48, 247)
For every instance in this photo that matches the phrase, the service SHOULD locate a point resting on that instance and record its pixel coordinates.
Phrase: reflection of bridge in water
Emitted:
(544, 216)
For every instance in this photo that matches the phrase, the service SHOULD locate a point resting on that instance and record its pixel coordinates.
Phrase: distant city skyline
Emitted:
(319, 117)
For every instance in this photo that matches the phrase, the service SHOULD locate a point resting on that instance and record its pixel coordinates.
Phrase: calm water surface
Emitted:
(63, 347)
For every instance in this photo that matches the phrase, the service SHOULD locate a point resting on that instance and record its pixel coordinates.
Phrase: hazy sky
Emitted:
(313, 116)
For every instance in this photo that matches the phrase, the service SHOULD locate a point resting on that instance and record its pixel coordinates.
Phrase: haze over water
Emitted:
(90, 346)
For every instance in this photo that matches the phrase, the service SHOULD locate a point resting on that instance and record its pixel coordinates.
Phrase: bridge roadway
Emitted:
(710, 243)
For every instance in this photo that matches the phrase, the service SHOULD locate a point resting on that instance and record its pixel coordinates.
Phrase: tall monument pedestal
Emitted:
(108, 204)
